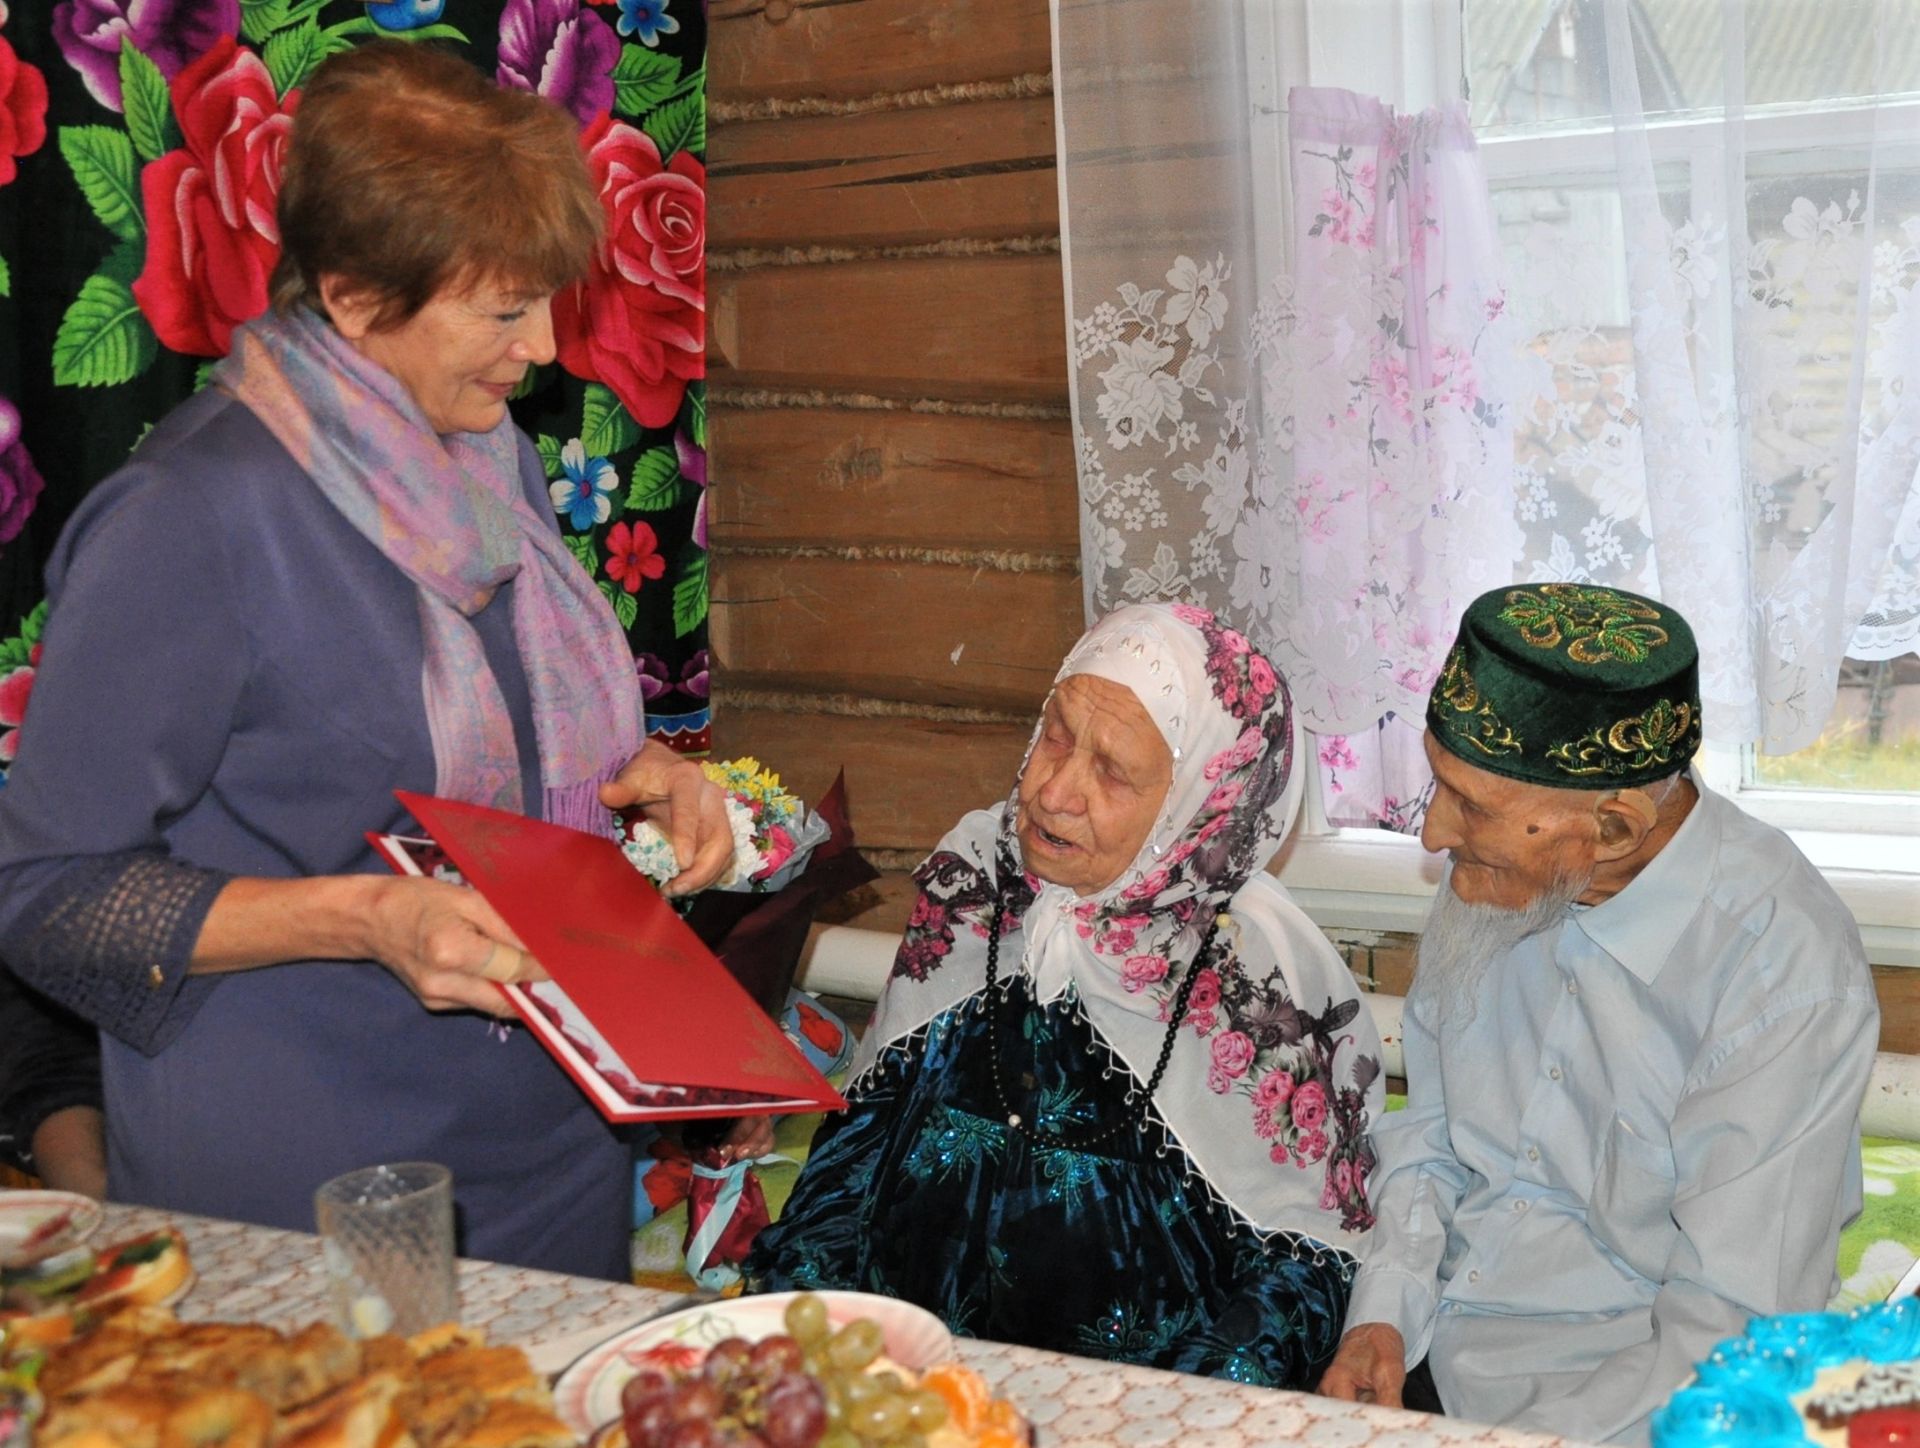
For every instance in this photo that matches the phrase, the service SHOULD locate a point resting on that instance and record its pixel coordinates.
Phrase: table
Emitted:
(262, 1274)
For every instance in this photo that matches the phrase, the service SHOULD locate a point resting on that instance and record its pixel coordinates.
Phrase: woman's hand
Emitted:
(750, 1138)
(688, 808)
(447, 945)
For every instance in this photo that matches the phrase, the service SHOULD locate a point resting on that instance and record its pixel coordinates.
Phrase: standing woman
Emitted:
(331, 574)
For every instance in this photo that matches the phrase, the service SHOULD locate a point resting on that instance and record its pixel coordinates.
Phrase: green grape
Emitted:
(839, 1438)
(891, 1381)
(855, 1345)
(879, 1419)
(905, 1440)
(857, 1388)
(927, 1411)
(806, 1318)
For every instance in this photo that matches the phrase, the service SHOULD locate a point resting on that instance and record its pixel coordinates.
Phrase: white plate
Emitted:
(588, 1393)
(50, 1221)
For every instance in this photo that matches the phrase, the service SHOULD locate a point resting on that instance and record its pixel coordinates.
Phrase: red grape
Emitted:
(726, 1359)
(648, 1423)
(696, 1400)
(691, 1433)
(645, 1384)
(795, 1413)
(775, 1355)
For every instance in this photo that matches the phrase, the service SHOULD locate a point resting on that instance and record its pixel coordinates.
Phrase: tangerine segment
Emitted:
(965, 1392)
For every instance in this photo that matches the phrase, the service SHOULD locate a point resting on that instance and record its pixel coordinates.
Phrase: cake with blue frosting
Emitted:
(1808, 1377)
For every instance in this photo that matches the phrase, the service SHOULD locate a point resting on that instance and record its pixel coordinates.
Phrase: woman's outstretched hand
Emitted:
(688, 808)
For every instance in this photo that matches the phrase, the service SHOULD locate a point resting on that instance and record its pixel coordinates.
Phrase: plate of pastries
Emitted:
(117, 1369)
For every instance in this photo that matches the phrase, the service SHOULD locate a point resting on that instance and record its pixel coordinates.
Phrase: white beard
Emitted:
(1459, 941)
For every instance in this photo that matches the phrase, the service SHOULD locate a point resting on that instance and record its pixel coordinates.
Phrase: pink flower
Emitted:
(1148, 885)
(1309, 1106)
(1244, 751)
(1202, 1022)
(1339, 215)
(1260, 674)
(1224, 796)
(1343, 1176)
(1310, 1148)
(1274, 1089)
(1142, 971)
(1328, 1201)
(1187, 613)
(1388, 373)
(779, 849)
(1364, 175)
(1335, 753)
(1277, 1153)
(1206, 991)
(1233, 1052)
(16, 688)
(1218, 1082)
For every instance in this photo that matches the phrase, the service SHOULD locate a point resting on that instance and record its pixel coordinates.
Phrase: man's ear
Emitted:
(1625, 819)
(350, 308)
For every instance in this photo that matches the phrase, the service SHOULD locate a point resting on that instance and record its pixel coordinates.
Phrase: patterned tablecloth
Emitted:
(259, 1274)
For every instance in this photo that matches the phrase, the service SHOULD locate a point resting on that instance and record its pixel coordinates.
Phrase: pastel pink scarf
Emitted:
(450, 513)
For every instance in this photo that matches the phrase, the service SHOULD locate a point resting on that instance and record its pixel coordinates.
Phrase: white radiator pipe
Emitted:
(844, 961)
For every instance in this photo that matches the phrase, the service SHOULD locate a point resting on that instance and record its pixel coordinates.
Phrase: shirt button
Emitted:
(1554, 1071)
(1573, 987)
(155, 979)
(1533, 1153)
(1521, 1205)
(1473, 1277)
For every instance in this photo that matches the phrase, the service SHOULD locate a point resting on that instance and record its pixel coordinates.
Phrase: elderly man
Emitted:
(1636, 1044)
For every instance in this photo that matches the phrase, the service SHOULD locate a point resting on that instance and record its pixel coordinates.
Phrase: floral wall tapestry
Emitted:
(140, 148)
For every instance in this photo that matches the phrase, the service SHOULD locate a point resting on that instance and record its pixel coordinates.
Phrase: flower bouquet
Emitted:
(788, 860)
(774, 834)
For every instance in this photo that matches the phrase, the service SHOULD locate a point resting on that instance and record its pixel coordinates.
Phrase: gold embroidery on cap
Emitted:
(1600, 626)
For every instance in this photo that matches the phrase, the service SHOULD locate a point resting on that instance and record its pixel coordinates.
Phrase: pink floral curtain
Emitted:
(1288, 372)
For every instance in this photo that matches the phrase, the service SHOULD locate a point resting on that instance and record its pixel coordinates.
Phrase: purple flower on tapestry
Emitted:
(20, 481)
(171, 33)
(694, 674)
(557, 49)
(693, 467)
(653, 676)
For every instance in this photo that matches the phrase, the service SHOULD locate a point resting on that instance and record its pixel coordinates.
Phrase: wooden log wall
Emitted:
(893, 516)
(894, 528)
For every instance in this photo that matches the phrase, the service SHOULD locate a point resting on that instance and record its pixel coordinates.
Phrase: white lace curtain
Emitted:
(1332, 382)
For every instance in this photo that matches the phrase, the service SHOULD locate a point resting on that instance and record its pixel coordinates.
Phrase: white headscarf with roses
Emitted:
(1275, 1038)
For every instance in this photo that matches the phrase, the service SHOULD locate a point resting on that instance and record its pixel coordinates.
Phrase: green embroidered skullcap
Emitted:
(1569, 685)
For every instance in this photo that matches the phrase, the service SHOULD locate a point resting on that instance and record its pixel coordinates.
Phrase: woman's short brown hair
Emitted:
(410, 171)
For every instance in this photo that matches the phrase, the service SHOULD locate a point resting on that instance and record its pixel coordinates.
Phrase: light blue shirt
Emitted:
(1648, 1133)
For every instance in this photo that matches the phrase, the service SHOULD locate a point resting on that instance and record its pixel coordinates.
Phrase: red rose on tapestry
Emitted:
(638, 322)
(212, 239)
(23, 111)
(16, 688)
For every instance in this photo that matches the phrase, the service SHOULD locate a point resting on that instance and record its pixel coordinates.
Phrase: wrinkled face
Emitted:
(1511, 842)
(1093, 785)
(463, 353)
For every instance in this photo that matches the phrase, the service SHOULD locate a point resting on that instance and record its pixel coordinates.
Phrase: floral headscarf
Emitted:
(1272, 1096)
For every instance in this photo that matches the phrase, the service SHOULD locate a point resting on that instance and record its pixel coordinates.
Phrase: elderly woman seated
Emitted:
(1115, 1099)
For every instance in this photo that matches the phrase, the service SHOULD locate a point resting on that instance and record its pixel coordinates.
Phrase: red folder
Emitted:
(641, 1014)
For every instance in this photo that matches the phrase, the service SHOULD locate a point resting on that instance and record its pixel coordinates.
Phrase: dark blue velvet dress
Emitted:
(922, 1191)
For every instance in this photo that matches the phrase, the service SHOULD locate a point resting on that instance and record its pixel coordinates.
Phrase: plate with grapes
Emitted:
(587, 1394)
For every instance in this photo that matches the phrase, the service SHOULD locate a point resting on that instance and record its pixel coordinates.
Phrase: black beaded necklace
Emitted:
(1053, 1138)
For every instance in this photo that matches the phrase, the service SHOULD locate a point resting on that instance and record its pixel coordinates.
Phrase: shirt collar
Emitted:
(1640, 926)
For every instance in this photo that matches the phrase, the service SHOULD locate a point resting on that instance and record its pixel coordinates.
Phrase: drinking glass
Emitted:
(386, 1233)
